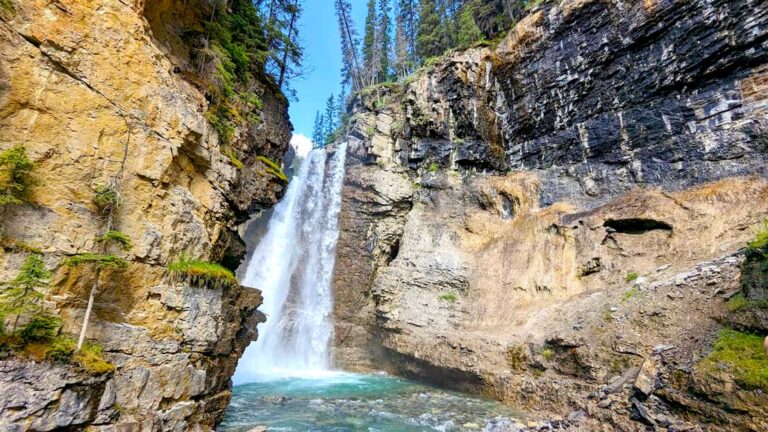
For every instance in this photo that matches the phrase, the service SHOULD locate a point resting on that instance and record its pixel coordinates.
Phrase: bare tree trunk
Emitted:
(283, 64)
(358, 79)
(89, 309)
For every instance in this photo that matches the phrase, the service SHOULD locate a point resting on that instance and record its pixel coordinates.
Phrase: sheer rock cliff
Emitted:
(97, 90)
(558, 221)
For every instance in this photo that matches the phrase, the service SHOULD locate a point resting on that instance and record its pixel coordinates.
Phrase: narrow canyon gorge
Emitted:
(563, 221)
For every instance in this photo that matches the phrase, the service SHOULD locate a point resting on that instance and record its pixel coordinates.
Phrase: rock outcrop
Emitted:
(98, 90)
(557, 222)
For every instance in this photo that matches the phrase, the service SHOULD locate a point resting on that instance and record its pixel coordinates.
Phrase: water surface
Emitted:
(343, 402)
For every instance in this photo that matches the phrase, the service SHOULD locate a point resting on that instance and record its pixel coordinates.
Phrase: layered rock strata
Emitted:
(98, 90)
(557, 222)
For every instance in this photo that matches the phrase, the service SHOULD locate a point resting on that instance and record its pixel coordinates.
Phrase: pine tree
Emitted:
(407, 18)
(330, 119)
(370, 46)
(429, 39)
(385, 41)
(318, 133)
(350, 70)
(290, 62)
(468, 32)
(22, 296)
(341, 107)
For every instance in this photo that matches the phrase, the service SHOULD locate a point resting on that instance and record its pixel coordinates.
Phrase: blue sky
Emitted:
(319, 33)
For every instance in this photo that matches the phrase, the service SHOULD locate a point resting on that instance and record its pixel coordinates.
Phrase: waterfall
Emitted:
(292, 266)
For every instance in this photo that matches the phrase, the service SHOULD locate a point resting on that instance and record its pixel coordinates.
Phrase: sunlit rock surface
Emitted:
(558, 222)
(83, 84)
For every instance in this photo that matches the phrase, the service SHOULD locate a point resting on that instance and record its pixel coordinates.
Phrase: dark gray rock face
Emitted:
(613, 97)
(601, 97)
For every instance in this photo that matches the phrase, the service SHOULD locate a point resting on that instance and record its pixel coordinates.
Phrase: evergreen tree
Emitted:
(330, 119)
(370, 45)
(407, 19)
(468, 32)
(350, 70)
(22, 296)
(341, 107)
(403, 57)
(430, 36)
(318, 132)
(385, 41)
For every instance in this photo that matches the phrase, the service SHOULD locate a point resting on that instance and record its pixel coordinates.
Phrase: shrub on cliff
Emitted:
(15, 175)
(22, 296)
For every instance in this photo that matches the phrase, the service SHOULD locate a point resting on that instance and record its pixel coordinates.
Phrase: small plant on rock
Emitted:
(449, 297)
(631, 277)
(15, 176)
(272, 168)
(202, 273)
(517, 357)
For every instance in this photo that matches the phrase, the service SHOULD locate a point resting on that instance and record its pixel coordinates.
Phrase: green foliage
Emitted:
(517, 357)
(61, 349)
(91, 359)
(7, 5)
(740, 302)
(22, 295)
(760, 243)
(737, 303)
(449, 297)
(433, 167)
(607, 315)
(106, 198)
(41, 328)
(548, 353)
(102, 261)
(18, 246)
(119, 238)
(15, 176)
(272, 168)
(742, 355)
(630, 294)
(468, 31)
(228, 152)
(202, 272)
(631, 277)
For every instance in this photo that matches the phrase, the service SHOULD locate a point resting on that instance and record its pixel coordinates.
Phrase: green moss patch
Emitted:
(741, 354)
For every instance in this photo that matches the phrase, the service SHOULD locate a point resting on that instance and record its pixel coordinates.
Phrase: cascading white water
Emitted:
(292, 265)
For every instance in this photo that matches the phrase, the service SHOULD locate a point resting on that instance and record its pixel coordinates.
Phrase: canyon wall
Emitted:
(558, 221)
(98, 90)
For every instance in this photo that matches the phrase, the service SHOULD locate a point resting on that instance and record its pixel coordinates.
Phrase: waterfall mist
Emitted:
(292, 266)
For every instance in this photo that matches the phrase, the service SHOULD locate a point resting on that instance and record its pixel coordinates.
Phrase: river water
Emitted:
(284, 380)
(341, 402)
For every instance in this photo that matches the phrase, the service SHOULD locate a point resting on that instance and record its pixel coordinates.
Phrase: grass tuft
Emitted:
(207, 273)
(272, 168)
(742, 354)
(630, 294)
(449, 297)
(91, 359)
(631, 277)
